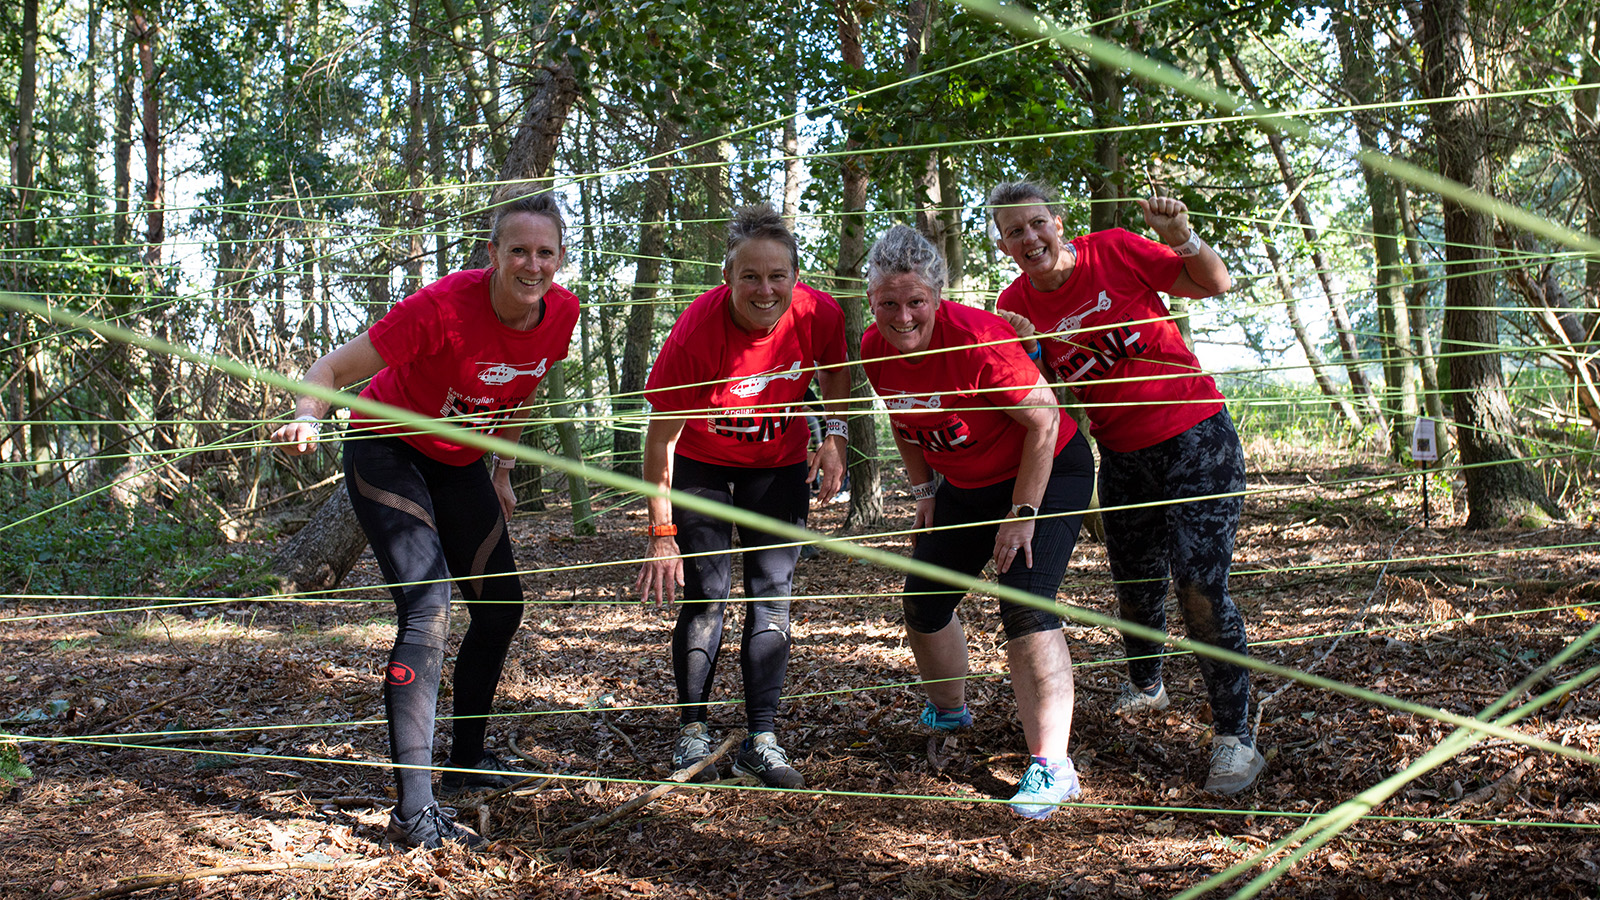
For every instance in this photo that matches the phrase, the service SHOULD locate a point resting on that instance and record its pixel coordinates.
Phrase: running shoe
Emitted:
(1133, 701)
(431, 827)
(694, 744)
(761, 758)
(1043, 787)
(946, 719)
(1234, 765)
(490, 774)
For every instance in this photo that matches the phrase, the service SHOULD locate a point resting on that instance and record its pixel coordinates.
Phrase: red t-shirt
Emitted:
(952, 404)
(754, 387)
(448, 355)
(1125, 358)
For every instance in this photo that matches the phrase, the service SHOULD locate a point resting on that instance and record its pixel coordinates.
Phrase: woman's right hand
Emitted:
(1024, 329)
(297, 437)
(662, 573)
(922, 520)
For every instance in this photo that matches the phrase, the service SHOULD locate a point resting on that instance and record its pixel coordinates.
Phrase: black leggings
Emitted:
(1190, 539)
(426, 522)
(928, 605)
(768, 573)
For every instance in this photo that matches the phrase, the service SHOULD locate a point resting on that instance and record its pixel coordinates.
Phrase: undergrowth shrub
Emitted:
(57, 544)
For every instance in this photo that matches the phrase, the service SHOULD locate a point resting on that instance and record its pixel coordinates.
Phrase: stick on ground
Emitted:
(678, 779)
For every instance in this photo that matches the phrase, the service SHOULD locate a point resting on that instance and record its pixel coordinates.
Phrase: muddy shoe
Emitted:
(1133, 701)
(432, 828)
(694, 744)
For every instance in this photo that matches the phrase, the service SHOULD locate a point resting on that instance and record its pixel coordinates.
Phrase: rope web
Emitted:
(66, 327)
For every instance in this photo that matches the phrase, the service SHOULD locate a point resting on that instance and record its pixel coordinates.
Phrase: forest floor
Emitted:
(278, 788)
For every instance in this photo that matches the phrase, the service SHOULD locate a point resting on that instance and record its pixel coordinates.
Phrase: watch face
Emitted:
(1024, 511)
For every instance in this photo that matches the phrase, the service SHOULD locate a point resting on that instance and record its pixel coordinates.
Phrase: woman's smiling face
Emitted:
(761, 277)
(903, 306)
(1031, 236)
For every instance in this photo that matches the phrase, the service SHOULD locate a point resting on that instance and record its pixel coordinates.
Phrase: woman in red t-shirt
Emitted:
(470, 349)
(1171, 467)
(965, 401)
(728, 407)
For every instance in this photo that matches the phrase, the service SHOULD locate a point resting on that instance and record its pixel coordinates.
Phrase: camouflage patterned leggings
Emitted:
(1189, 540)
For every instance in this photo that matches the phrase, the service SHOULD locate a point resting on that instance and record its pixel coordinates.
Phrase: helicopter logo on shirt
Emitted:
(500, 373)
(1075, 321)
(755, 384)
(907, 401)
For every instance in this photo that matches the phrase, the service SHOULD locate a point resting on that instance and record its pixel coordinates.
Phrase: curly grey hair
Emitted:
(903, 251)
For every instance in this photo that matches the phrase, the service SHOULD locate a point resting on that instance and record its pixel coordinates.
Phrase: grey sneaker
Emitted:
(694, 744)
(1234, 766)
(761, 758)
(490, 774)
(432, 828)
(1133, 701)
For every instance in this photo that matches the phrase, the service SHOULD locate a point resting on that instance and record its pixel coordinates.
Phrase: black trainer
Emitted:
(761, 758)
(432, 827)
(488, 775)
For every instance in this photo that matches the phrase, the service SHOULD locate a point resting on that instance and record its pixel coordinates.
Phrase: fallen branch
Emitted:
(1495, 796)
(142, 882)
(149, 709)
(676, 781)
(353, 802)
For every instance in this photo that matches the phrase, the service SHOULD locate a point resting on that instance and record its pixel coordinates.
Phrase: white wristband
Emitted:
(923, 491)
(838, 427)
(1191, 247)
(505, 462)
(313, 421)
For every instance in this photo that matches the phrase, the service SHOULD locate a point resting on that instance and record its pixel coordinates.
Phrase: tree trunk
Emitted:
(866, 488)
(1105, 107)
(323, 552)
(1586, 106)
(628, 405)
(22, 150)
(34, 376)
(163, 375)
(1353, 32)
(1502, 489)
(793, 165)
(955, 251)
(1417, 309)
(533, 150)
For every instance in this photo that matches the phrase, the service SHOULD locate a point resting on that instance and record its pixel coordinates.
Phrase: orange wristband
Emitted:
(667, 530)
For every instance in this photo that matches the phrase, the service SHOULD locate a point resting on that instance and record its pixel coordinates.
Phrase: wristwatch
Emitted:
(1023, 510)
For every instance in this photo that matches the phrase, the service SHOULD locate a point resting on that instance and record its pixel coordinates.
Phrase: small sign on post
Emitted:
(1423, 446)
(1424, 449)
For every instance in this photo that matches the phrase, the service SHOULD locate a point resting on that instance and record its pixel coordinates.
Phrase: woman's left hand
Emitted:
(1013, 541)
(502, 490)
